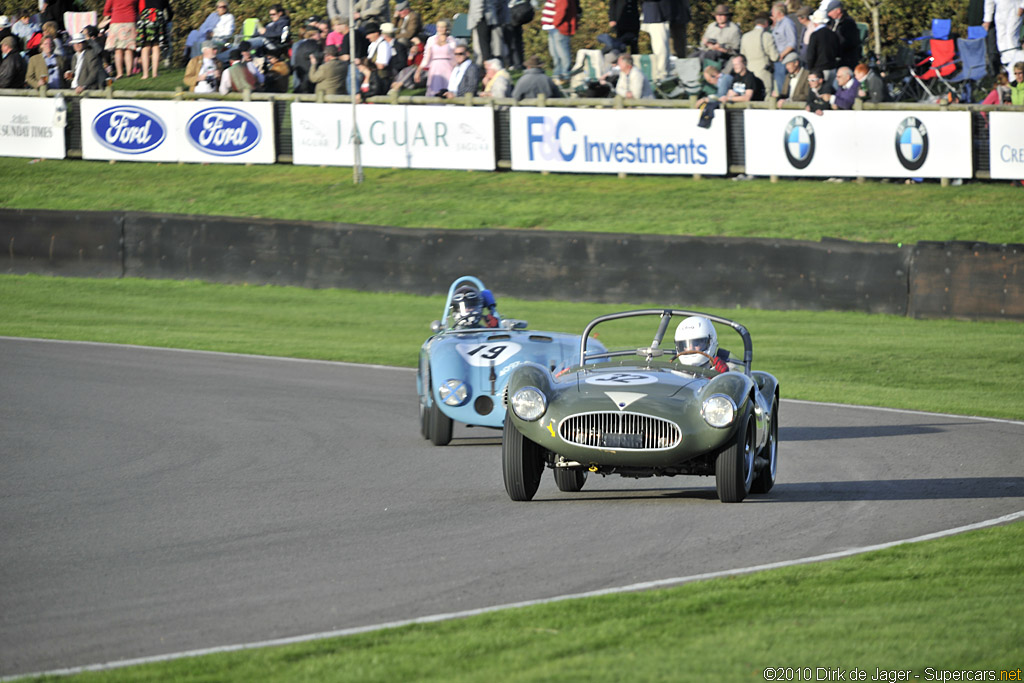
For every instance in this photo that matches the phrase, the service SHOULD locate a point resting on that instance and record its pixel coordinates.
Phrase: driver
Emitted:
(468, 309)
(697, 344)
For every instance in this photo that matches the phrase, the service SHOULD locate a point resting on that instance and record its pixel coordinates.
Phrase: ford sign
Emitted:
(129, 129)
(223, 131)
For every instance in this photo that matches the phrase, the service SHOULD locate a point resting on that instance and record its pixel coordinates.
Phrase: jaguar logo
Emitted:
(129, 129)
(223, 131)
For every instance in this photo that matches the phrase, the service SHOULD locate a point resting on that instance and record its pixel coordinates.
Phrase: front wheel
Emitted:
(734, 467)
(440, 426)
(522, 463)
(570, 479)
(765, 479)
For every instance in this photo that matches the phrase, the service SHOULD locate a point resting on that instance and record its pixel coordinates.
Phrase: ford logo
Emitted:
(223, 131)
(129, 129)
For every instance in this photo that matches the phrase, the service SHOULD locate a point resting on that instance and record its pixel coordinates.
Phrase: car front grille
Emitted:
(620, 431)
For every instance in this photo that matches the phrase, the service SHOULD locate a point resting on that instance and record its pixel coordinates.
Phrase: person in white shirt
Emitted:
(1007, 15)
(379, 52)
(465, 75)
(632, 84)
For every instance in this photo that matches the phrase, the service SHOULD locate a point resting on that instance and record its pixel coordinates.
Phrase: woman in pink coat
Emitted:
(438, 59)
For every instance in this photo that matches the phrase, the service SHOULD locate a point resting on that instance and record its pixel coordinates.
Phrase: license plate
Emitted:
(623, 441)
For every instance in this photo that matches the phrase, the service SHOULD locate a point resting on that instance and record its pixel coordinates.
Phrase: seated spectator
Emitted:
(86, 72)
(497, 81)
(237, 77)
(819, 93)
(277, 31)
(202, 73)
(632, 83)
(46, 68)
(795, 87)
(399, 53)
(278, 72)
(534, 82)
(721, 38)
(328, 77)
(50, 30)
(872, 87)
(846, 95)
(219, 27)
(716, 85)
(371, 83)
(746, 87)
(1017, 84)
(465, 76)
(12, 66)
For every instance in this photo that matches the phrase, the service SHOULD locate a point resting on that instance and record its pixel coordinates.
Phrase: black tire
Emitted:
(522, 463)
(764, 480)
(424, 421)
(734, 466)
(570, 480)
(440, 426)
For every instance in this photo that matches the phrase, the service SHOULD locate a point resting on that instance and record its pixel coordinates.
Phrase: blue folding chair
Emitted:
(973, 64)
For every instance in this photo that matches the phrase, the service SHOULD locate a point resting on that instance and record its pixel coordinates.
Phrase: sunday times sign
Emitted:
(32, 127)
(617, 141)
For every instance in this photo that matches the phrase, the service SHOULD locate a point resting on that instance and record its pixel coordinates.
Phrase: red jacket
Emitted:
(561, 14)
(121, 11)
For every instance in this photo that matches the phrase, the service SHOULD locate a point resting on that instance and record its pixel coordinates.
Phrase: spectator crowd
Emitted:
(810, 55)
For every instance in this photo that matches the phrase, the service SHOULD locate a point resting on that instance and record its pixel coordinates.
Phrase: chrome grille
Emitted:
(620, 430)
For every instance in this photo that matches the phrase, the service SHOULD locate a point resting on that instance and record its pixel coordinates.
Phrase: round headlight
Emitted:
(529, 403)
(718, 410)
(454, 392)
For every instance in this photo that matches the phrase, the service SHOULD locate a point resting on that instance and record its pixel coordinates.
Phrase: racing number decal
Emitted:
(619, 379)
(483, 355)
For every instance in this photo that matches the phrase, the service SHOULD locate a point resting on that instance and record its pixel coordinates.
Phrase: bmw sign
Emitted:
(911, 143)
(223, 131)
(129, 129)
(799, 142)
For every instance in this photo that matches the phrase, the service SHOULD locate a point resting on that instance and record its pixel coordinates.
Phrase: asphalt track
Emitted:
(156, 501)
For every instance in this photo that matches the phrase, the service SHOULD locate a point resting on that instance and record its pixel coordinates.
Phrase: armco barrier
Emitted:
(930, 279)
(71, 243)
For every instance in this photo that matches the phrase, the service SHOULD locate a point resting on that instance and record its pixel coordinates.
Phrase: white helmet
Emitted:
(696, 334)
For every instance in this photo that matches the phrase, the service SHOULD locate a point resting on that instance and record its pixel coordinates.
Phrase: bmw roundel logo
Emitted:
(223, 131)
(129, 129)
(799, 142)
(911, 143)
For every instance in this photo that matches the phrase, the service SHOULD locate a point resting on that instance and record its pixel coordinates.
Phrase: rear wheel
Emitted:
(522, 463)
(734, 467)
(765, 479)
(570, 479)
(440, 426)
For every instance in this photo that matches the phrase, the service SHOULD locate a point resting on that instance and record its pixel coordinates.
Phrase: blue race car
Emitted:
(466, 363)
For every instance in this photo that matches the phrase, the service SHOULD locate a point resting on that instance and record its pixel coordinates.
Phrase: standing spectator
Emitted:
(558, 19)
(655, 20)
(632, 84)
(342, 33)
(301, 52)
(722, 36)
(822, 47)
(245, 48)
(534, 82)
(46, 68)
(437, 59)
(846, 94)
(497, 82)
(410, 24)
(624, 17)
(5, 28)
(795, 87)
(1007, 17)
(329, 77)
(677, 26)
(520, 13)
(846, 30)
(12, 66)
(370, 81)
(465, 76)
(121, 34)
(819, 93)
(746, 87)
(237, 77)
(758, 46)
(50, 31)
(152, 32)
(24, 28)
(87, 66)
(53, 10)
(278, 73)
(399, 53)
(804, 25)
(202, 73)
(488, 19)
(785, 35)
(370, 11)
(378, 52)
(872, 87)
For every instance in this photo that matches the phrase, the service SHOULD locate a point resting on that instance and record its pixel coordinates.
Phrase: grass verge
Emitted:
(789, 209)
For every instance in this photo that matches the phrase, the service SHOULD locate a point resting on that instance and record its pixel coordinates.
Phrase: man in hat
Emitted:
(329, 77)
(379, 50)
(758, 46)
(786, 37)
(846, 30)
(795, 87)
(279, 73)
(822, 46)
(721, 38)
(399, 53)
(5, 27)
(237, 77)
(12, 66)
(534, 81)
(86, 71)
(202, 73)
(410, 24)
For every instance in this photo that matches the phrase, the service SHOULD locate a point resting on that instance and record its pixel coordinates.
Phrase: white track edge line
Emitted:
(645, 585)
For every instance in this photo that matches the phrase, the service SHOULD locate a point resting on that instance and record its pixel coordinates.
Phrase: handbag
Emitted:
(521, 12)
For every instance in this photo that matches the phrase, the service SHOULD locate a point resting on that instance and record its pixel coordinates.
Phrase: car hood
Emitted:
(626, 385)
